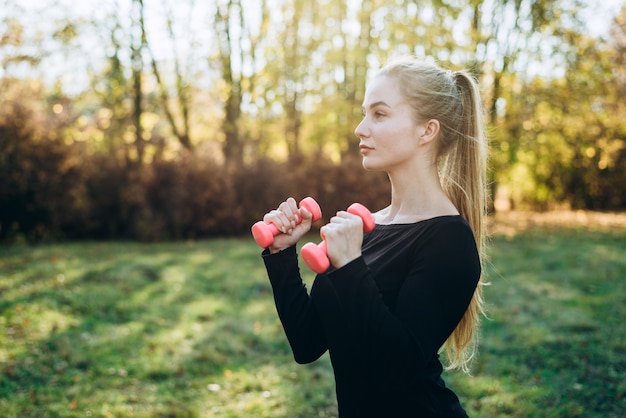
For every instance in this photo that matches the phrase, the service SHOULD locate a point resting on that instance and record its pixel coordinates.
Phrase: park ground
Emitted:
(188, 329)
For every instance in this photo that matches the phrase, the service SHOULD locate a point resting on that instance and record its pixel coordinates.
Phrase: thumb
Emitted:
(306, 215)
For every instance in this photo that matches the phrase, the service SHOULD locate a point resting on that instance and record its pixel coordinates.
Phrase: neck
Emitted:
(414, 197)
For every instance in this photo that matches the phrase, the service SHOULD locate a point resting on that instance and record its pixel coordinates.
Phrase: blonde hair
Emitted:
(453, 98)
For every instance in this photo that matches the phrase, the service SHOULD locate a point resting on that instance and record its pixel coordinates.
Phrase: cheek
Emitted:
(400, 137)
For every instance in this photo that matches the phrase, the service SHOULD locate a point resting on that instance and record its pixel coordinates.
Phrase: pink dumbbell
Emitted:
(316, 256)
(264, 233)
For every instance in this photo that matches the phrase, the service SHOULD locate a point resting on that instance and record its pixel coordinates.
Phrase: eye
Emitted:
(378, 114)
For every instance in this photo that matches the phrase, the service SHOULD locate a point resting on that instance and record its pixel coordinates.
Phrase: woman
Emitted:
(393, 297)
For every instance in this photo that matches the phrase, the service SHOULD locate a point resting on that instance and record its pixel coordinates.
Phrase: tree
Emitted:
(182, 86)
(11, 39)
(138, 43)
(229, 15)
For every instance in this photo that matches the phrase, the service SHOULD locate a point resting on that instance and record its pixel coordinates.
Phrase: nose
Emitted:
(361, 130)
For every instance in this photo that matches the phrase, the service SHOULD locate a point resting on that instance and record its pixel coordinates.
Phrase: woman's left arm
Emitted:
(432, 300)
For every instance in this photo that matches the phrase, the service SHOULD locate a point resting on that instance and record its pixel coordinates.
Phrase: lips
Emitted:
(364, 148)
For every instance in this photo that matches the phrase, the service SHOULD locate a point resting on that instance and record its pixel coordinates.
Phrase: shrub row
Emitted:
(52, 191)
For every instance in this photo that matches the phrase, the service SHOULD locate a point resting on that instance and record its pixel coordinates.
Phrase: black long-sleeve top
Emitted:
(384, 316)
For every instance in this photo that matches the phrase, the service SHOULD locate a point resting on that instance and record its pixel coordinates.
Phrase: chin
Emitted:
(369, 165)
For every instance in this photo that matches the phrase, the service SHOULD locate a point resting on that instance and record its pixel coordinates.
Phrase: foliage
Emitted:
(189, 330)
(36, 167)
(232, 117)
(564, 140)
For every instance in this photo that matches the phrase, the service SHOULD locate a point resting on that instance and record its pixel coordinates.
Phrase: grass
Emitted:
(555, 345)
(190, 330)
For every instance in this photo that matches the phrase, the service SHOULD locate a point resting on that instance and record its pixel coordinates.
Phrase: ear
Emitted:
(429, 131)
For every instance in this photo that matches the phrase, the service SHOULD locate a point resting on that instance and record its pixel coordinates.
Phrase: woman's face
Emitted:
(388, 133)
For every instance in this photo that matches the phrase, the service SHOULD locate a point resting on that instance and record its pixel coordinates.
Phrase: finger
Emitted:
(283, 217)
(293, 206)
(345, 215)
(291, 203)
(339, 219)
(348, 218)
(289, 208)
(332, 228)
(306, 215)
(324, 231)
(274, 218)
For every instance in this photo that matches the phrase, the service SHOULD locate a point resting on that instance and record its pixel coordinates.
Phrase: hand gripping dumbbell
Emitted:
(316, 256)
(264, 233)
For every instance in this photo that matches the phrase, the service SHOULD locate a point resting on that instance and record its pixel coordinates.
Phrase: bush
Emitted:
(38, 178)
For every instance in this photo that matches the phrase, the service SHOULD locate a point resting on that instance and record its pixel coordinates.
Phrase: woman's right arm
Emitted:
(293, 303)
(297, 314)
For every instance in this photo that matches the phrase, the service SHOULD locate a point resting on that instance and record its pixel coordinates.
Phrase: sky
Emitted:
(599, 14)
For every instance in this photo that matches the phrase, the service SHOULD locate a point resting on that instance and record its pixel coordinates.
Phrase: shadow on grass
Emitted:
(147, 330)
(190, 330)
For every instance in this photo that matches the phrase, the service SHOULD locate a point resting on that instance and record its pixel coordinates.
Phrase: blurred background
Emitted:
(182, 119)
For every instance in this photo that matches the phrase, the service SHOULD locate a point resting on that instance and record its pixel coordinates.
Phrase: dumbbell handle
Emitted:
(264, 233)
(316, 256)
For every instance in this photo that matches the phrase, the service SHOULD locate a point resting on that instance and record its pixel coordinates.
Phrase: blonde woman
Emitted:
(394, 297)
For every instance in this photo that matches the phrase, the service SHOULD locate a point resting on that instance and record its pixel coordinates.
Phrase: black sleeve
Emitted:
(433, 298)
(295, 309)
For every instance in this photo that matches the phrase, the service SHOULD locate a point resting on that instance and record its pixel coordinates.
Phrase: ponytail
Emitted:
(463, 177)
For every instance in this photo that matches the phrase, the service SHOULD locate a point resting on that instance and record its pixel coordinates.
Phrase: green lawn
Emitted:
(190, 330)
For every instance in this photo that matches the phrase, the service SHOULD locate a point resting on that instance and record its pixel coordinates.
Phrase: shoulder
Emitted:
(450, 225)
(442, 242)
(451, 232)
(450, 246)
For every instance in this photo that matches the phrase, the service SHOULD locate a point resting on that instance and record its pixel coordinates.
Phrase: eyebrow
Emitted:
(375, 104)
